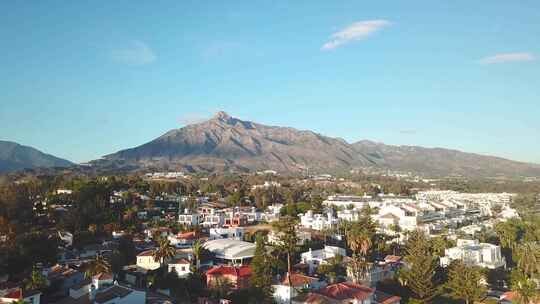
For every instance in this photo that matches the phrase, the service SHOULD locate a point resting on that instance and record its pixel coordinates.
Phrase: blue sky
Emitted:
(81, 80)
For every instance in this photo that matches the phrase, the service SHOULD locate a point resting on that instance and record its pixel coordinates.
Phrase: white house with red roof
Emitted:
(146, 260)
(182, 267)
(237, 276)
(346, 292)
(283, 292)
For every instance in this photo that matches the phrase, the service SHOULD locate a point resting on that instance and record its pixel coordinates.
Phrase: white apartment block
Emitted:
(473, 253)
(318, 221)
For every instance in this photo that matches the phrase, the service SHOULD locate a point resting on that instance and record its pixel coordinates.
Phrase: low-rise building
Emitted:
(237, 276)
(182, 267)
(473, 253)
(146, 260)
(314, 258)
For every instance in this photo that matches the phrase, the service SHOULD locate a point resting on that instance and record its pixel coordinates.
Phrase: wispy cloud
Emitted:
(134, 53)
(356, 31)
(507, 58)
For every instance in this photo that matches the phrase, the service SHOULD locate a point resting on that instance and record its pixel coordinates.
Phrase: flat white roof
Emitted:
(230, 249)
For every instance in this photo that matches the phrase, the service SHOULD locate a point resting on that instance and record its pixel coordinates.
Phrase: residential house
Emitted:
(146, 260)
(237, 276)
(182, 267)
(314, 258)
(283, 292)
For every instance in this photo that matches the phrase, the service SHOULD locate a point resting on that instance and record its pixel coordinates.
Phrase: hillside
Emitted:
(16, 157)
(225, 143)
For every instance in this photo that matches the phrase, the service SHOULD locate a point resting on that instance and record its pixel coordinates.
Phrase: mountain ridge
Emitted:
(225, 143)
(14, 156)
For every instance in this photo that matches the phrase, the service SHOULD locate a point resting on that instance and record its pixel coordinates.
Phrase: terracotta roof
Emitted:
(392, 258)
(298, 279)
(346, 290)
(186, 235)
(383, 298)
(146, 253)
(315, 298)
(242, 271)
(16, 293)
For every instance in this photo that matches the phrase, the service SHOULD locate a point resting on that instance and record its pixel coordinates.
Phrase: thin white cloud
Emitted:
(135, 53)
(507, 58)
(356, 31)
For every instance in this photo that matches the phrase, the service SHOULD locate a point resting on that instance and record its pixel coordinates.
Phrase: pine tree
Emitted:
(419, 272)
(465, 283)
(261, 278)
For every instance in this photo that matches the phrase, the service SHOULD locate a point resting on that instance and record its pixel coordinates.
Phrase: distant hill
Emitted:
(225, 143)
(442, 162)
(16, 157)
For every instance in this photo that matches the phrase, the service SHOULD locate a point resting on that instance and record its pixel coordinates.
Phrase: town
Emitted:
(173, 237)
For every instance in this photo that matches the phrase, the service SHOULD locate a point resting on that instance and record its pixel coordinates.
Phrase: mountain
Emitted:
(228, 143)
(16, 157)
(225, 143)
(442, 162)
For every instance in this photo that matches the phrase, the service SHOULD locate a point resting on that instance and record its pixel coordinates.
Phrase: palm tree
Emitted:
(36, 281)
(99, 265)
(359, 241)
(197, 252)
(528, 258)
(164, 251)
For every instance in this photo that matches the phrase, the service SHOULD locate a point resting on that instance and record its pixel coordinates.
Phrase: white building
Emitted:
(314, 258)
(473, 253)
(266, 185)
(181, 266)
(189, 219)
(283, 292)
(405, 217)
(146, 260)
(231, 251)
(318, 221)
(236, 233)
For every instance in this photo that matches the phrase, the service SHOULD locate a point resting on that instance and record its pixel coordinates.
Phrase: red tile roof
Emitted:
(186, 235)
(392, 258)
(346, 290)
(242, 271)
(298, 279)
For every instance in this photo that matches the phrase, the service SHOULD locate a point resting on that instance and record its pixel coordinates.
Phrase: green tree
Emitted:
(333, 269)
(528, 258)
(197, 253)
(261, 278)
(419, 273)
(287, 240)
(465, 283)
(524, 287)
(97, 266)
(164, 251)
(36, 280)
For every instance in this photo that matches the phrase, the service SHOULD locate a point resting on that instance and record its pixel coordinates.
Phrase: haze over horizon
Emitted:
(86, 80)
